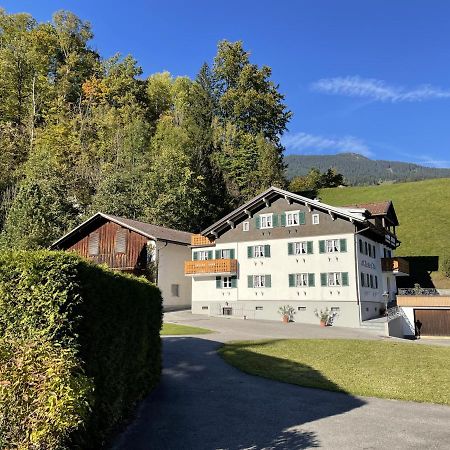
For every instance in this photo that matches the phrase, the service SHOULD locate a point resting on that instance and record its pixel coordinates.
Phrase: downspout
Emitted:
(357, 272)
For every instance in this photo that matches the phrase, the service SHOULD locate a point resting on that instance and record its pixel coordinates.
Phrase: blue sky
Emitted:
(371, 77)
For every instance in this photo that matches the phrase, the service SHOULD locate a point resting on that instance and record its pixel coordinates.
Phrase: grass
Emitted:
(419, 373)
(174, 329)
(422, 210)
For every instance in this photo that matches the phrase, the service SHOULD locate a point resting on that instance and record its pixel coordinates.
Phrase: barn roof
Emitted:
(148, 230)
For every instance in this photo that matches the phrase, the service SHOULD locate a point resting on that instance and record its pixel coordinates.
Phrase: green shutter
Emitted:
(258, 222)
(309, 247)
(343, 245)
(194, 256)
(233, 282)
(268, 281)
(301, 218)
(232, 253)
(250, 281)
(290, 248)
(250, 251)
(217, 254)
(283, 219)
(210, 254)
(311, 279)
(292, 280)
(323, 279)
(275, 220)
(218, 282)
(267, 251)
(344, 278)
(321, 246)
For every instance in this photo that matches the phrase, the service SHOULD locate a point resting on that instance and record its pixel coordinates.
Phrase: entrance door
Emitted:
(435, 322)
(227, 311)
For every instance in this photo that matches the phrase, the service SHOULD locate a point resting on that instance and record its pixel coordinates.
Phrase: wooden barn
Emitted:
(136, 247)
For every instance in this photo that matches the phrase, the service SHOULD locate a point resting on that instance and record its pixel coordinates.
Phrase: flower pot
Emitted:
(323, 323)
(285, 319)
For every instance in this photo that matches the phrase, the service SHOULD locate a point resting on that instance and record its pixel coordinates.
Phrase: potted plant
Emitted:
(287, 313)
(325, 316)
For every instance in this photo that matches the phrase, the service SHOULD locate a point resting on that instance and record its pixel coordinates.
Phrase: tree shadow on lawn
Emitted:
(203, 403)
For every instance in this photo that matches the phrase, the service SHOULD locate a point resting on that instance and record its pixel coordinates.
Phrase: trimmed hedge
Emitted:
(79, 346)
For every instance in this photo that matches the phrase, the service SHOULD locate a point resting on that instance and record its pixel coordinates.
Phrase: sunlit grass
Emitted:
(414, 372)
(174, 329)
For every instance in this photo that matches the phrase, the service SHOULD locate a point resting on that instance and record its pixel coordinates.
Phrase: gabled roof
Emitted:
(384, 208)
(148, 230)
(273, 193)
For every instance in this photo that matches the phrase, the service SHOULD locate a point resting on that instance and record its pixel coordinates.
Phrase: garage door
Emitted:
(435, 322)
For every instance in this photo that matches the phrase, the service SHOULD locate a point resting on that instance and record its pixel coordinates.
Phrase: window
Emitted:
(374, 252)
(259, 308)
(202, 255)
(300, 248)
(121, 240)
(245, 226)
(370, 250)
(292, 218)
(225, 254)
(365, 248)
(332, 245)
(301, 280)
(301, 308)
(266, 220)
(376, 282)
(363, 280)
(258, 251)
(334, 279)
(315, 219)
(204, 307)
(93, 244)
(360, 246)
(371, 281)
(175, 290)
(226, 282)
(367, 280)
(259, 281)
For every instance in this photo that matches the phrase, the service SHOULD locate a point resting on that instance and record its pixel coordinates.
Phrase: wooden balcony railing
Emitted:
(398, 266)
(211, 266)
(198, 239)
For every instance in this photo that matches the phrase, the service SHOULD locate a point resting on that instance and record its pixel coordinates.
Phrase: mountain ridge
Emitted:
(360, 170)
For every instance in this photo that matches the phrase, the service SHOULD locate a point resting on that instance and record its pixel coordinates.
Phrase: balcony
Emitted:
(211, 267)
(199, 240)
(397, 266)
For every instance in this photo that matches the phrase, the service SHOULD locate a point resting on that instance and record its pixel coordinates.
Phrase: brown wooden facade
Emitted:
(114, 245)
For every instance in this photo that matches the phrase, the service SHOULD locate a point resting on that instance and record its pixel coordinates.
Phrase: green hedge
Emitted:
(90, 339)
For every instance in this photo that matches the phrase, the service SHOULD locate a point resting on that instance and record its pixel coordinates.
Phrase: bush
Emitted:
(98, 334)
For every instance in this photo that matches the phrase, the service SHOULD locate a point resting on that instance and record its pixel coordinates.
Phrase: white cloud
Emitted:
(378, 90)
(309, 143)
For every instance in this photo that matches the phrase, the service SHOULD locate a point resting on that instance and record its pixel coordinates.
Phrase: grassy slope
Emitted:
(423, 210)
(172, 329)
(369, 368)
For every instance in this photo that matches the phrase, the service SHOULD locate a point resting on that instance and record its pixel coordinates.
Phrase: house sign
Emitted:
(369, 265)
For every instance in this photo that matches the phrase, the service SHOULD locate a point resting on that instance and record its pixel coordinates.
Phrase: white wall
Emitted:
(279, 265)
(171, 259)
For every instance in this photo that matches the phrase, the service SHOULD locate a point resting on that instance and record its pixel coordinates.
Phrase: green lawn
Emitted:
(414, 372)
(174, 329)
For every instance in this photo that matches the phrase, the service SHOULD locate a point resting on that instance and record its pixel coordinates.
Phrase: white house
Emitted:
(284, 249)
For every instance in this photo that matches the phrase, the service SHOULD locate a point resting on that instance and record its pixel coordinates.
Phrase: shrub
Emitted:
(100, 329)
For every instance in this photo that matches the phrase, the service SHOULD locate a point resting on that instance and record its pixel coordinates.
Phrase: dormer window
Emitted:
(292, 218)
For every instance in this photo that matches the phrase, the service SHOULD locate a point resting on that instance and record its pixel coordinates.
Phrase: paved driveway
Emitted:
(203, 403)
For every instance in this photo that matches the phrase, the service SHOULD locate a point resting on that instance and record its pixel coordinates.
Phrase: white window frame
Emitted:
(245, 226)
(258, 251)
(259, 281)
(292, 218)
(225, 253)
(301, 280)
(226, 282)
(266, 221)
(300, 248)
(203, 255)
(332, 245)
(334, 279)
(315, 219)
